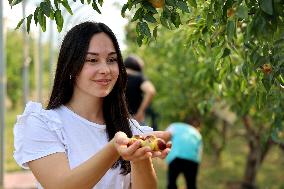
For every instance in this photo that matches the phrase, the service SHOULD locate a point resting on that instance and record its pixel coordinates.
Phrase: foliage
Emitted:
(242, 43)
(15, 66)
(14, 50)
(214, 52)
(260, 23)
(250, 29)
(195, 77)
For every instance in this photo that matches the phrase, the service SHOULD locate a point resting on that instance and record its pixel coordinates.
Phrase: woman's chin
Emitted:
(102, 94)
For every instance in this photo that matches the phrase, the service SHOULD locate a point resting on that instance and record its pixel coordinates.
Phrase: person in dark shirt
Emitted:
(139, 90)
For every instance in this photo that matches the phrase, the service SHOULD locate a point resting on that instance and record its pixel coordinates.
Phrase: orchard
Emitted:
(219, 60)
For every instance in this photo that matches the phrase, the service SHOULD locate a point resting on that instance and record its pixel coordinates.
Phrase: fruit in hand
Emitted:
(156, 144)
(134, 138)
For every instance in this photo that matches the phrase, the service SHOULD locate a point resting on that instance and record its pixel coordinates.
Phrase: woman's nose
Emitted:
(104, 68)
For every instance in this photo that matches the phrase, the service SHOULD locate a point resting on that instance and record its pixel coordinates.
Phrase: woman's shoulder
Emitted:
(34, 112)
(37, 133)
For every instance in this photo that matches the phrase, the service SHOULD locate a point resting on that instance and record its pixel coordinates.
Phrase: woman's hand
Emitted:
(135, 152)
(132, 152)
(166, 136)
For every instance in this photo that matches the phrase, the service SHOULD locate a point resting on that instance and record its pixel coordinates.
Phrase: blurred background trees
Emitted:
(221, 61)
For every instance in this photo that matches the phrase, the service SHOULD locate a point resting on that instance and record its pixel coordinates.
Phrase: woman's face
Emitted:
(100, 71)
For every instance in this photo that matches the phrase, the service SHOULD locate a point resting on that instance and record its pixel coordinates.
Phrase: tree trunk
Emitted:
(252, 166)
(257, 151)
(218, 144)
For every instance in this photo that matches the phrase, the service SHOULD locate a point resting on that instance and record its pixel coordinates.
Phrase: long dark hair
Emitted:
(70, 63)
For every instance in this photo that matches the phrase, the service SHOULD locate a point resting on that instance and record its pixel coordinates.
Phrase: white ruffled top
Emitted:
(39, 133)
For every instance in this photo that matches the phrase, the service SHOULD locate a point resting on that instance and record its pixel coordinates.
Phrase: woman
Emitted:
(80, 140)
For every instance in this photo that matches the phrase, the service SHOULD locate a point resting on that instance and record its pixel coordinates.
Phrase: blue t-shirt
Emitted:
(186, 143)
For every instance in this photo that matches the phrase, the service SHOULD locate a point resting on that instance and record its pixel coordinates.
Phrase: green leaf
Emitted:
(46, 8)
(164, 22)
(175, 18)
(42, 20)
(266, 81)
(36, 15)
(67, 6)
(139, 40)
(29, 19)
(209, 19)
(192, 3)
(171, 2)
(59, 20)
(231, 29)
(20, 23)
(242, 12)
(138, 14)
(101, 2)
(155, 32)
(56, 3)
(182, 6)
(95, 7)
(245, 69)
(149, 7)
(266, 6)
(51, 16)
(226, 52)
(88, 1)
(280, 78)
(123, 10)
(14, 2)
(145, 29)
(138, 29)
(149, 17)
(82, 1)
(166, 13)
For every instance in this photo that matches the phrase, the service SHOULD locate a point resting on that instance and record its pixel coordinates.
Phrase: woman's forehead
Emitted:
(101, 43)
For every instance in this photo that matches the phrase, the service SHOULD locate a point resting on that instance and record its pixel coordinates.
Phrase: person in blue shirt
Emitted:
(185, 154)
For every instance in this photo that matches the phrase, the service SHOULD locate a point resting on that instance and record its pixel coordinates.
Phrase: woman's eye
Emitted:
(92, 60)
(112, 60)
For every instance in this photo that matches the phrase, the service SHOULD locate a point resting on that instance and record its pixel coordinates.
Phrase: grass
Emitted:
(10, 164)
(212, 175)
(229, 171)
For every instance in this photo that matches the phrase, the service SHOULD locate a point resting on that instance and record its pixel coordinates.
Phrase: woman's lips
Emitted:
(102, 82)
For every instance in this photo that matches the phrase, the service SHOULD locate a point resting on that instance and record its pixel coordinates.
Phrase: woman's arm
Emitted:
(143, 174)
(53, 171)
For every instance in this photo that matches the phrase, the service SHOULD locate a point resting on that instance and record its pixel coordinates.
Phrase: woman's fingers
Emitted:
(135, 152)
(121, 138)
(166, 135)
(161, 154)
(129, 151)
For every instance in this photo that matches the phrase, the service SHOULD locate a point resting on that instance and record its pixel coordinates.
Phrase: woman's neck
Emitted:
(91, 110)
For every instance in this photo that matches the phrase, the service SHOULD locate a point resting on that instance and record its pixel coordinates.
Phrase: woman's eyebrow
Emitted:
(93, 53)
(112, 53)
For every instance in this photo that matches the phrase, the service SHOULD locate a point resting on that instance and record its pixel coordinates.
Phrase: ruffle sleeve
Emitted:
(37, 133)
(137, 129)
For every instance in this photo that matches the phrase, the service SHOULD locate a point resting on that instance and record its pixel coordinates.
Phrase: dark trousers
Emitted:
(188, 168)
